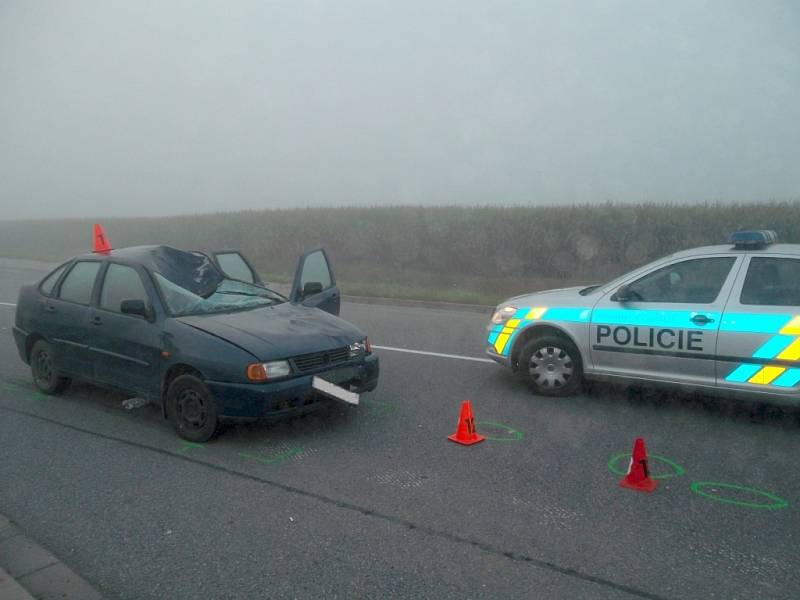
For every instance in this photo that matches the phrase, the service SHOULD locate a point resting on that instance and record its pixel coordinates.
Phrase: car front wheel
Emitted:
(552, 365)
(192, 409)
(43, 368)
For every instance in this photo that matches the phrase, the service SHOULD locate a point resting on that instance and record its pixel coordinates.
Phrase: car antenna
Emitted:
(99, 240)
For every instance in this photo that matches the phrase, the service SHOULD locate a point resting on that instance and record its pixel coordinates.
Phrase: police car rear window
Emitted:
(772, 281)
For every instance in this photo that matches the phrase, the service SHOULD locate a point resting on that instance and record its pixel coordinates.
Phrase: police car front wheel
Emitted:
(552, 365)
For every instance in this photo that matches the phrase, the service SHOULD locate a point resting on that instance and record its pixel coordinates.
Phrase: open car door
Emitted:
(314, 284)
(235, 265)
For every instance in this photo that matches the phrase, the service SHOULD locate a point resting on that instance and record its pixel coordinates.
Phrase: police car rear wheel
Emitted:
(552, 365)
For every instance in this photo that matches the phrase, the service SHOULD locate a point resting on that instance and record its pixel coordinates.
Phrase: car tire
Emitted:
(192, 409)
(46, 376)
(552, 365)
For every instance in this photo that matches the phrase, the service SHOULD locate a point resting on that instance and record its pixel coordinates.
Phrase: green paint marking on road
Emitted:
(39, 396)
(275, 458)
(10, 387)
(677, 470)
(190, 445)
(512, 435)
(777, 502)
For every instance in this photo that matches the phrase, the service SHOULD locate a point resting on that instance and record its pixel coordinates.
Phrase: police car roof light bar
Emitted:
(753, 238)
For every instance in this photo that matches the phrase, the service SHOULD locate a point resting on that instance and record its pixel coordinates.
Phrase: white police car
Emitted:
(719, 317)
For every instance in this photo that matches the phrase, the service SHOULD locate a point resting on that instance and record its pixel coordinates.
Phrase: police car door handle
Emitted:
(701, 320)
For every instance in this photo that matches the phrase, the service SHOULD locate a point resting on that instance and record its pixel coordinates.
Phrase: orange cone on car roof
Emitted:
(99, 240)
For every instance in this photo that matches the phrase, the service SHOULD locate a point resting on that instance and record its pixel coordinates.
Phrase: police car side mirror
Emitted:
(621, 295)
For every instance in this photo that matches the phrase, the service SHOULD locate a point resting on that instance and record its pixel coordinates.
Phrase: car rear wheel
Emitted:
(192, 409)
(552, 365)
(46, 375)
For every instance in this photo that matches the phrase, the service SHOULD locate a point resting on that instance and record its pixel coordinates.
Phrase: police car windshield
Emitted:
(229, 295)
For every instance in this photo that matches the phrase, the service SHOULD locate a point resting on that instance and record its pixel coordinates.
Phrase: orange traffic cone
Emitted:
(465, 431)
(99, 240)
(638, 477)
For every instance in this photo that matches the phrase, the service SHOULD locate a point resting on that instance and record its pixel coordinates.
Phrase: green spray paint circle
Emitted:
(777, 502)
(513, 434)
(677, 470)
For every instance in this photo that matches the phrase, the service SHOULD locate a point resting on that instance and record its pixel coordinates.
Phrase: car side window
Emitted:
(121, 283)
(696, 281)
(234, 266)
(77, 285)
(316, 269)
(49, 282)
(772, 281)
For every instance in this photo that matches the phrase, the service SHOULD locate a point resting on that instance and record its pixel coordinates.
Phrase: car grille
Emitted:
(320, 360)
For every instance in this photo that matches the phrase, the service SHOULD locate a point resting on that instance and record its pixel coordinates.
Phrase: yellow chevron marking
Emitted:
(791, 352)
(500, 342)
(537, 312)
(512, 323)
(766, 375)
(792, 327)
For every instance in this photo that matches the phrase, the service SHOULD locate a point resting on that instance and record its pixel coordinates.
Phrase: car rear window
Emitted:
(78, 284)
(772, 281)
(46, 287)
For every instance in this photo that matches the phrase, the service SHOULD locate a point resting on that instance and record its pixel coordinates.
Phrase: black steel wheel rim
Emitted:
(191, 408)
(44, 368)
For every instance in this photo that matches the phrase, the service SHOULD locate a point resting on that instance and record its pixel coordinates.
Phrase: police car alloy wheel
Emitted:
(552, 365)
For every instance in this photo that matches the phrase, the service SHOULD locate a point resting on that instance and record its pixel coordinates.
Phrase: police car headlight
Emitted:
(501, 315)
(268, 371)
(360, 348)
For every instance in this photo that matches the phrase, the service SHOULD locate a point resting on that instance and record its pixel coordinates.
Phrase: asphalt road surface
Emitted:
(374, 502)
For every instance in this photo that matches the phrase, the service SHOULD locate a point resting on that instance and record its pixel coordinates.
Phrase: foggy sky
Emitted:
(155, 108)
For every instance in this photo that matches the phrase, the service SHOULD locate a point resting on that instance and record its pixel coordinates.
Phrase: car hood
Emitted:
(562, 297)
(280, 331)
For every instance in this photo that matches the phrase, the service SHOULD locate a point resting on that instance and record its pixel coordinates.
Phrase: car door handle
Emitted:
(701, 320)
(96, 321)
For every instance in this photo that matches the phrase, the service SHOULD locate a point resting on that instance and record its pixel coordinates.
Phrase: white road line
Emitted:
(439, 354)
(406, 350)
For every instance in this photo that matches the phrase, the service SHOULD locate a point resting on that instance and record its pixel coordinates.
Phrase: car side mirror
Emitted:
(311, 288)
(135, 307)
(622, 294)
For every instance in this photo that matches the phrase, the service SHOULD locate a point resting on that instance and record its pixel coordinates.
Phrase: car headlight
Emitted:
(501, 315)
(269, 370)
(360, 348)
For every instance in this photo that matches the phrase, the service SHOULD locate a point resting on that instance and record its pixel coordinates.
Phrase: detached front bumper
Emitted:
(291, 397)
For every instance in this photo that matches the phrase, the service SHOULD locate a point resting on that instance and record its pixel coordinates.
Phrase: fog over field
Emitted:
(146, 108)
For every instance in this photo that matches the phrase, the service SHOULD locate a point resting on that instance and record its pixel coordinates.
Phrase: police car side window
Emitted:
(772, 281)
(696, 281)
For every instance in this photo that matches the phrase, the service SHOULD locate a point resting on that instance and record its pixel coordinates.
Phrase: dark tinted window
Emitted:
(47, 285)
(234, 266)
(77, 286)
(121, 283)
(772, 281)
(697, 281)
(316, 269)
